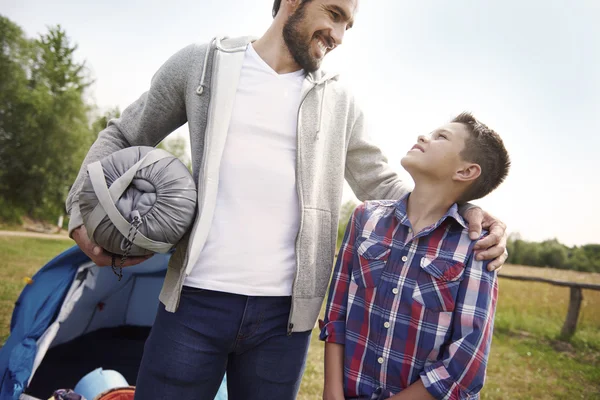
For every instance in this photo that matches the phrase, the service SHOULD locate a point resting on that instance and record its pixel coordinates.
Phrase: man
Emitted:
(272, 139)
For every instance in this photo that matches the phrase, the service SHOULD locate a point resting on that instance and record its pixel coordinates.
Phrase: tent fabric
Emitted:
(118, 348)
(75, 317)
(34, 312)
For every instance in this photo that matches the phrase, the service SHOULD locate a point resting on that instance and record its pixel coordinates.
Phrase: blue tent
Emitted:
(75, 317)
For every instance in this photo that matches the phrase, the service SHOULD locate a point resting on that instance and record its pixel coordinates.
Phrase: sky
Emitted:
(528, 69)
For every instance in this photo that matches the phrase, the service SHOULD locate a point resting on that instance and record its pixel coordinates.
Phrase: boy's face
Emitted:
(437, 155)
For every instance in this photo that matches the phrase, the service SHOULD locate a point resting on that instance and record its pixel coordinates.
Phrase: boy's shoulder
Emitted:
(371, 205)
(468, 245)
(455, 246)
(379, 208)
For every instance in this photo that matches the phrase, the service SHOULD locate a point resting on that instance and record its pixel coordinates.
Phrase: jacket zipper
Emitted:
(301, 207)
(202, 172)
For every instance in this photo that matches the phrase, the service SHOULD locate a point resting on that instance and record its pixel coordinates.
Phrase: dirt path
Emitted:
(59, 236)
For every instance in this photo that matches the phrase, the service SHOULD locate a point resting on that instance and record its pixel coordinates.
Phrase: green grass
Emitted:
(540, 309)
(527, 360)
(521, 366)
(20, 258)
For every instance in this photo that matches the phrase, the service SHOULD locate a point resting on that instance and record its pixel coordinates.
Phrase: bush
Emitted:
(551, 253)
(345, 214)
(9, 213)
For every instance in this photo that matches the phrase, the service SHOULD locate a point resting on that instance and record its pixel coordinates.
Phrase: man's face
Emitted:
(437, 155)
(317, 27)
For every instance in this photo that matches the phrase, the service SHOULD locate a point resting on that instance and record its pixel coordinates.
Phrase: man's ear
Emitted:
(291, 5)
(468, 172)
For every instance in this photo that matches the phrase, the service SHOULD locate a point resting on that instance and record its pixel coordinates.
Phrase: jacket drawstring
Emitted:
(200, 88)
(232, 50)
(217, 42)
(320, 118)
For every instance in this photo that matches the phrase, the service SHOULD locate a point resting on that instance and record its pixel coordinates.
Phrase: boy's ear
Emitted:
(468, 172)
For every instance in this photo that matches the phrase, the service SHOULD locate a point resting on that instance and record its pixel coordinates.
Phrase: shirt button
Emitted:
(380, 360)
(395, 290)
(404, 258)
(387, 324)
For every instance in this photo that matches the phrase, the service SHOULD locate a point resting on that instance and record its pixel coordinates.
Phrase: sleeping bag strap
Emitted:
(134, 226)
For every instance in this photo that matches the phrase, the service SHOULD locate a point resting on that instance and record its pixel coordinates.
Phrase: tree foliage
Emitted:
(176, 145)
(44, 125)
(345, 213)
(101, 122)
(552, 253)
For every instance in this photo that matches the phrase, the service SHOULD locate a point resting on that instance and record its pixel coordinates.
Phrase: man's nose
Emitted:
(337, 34)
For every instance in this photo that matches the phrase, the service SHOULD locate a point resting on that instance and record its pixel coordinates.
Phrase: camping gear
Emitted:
(74, 317)
(125, 393)
(99, 381)
(65, 394)
(137, 201)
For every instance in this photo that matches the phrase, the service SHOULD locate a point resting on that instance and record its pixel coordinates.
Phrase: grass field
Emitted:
(527, 359)
(21, 258)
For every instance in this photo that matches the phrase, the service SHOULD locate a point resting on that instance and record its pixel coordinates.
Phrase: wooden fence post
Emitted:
(573, 314)
(575, 299)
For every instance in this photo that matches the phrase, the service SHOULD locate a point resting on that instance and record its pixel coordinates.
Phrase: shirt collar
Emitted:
(401, 213)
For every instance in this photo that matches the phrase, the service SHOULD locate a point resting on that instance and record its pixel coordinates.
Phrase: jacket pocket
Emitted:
(437, 283)
(316, 247)
(372, 258)
(178, 257)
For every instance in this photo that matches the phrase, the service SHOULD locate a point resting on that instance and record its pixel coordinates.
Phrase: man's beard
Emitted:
(297, 43)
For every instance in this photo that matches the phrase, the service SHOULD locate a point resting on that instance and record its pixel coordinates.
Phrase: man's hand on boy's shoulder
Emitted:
(493, 246)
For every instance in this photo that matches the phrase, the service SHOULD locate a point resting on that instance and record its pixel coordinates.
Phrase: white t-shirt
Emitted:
(250, 248)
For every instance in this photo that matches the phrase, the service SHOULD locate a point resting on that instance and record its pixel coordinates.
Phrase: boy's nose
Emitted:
(423, 139)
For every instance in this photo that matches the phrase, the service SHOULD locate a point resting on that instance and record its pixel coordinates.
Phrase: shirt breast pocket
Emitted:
(437, 283)
(371, 257)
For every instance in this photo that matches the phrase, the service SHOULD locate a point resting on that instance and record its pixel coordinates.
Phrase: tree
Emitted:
(579, 261)
(176, 145)
(44, 132)
(345, 214)
(592, 251)
(14, 53)
(553, 254)
(515, 247)
(530, 254)
(102, 121)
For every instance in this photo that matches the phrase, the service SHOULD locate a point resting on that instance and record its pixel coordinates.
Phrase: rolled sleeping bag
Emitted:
(137, 201)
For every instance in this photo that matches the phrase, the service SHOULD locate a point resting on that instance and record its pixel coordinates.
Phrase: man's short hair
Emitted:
(483, 147)
(277, 4)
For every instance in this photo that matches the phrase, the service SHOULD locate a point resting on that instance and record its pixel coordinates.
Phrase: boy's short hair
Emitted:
(485, 148)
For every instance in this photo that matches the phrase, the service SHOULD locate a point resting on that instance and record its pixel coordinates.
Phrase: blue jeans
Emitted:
(189, 351)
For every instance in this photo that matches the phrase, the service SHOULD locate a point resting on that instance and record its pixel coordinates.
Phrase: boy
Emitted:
(410, 310)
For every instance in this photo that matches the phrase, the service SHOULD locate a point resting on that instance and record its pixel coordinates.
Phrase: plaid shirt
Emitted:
(409, 307)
